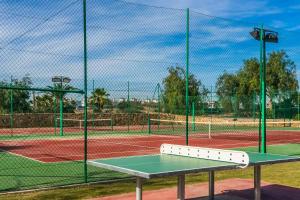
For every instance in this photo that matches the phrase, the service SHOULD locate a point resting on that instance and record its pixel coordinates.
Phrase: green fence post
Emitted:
(298, 105)
(149, 124)
(263, 89)
(211, 102)
(275, 110)
(158, 98)
(11, 107)
(55, 117)
(193, 116)
(85, 92)
(290, 107)
(235, 106)
(93, 106)
(273, 107)
(61, 114)
(128, 106)
(253, 106)
(187, 76)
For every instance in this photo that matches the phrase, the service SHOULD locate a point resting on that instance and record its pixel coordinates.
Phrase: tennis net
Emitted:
(227, 129)
(77, 125)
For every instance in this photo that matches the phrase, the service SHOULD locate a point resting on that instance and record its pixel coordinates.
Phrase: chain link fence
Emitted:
(136, 94)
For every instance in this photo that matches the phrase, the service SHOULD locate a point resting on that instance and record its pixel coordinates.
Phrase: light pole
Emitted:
(60, 80)
(263, 35)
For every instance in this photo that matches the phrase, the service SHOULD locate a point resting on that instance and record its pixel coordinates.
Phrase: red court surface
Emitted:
(230, 189)
(63, 149)
(78, 130)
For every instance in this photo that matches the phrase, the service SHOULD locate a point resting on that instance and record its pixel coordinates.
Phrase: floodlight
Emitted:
(66, 80)
(255, 34)
(268, 35)
(56, 79)
(61, 79)
(271, 37)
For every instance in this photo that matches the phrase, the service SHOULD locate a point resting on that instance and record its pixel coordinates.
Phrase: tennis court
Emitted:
(70, 148)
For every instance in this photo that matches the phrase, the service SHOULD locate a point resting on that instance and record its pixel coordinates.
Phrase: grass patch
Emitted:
(19, 173)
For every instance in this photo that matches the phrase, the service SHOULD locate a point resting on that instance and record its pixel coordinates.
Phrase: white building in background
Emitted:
(122, 100)
(146, 101)
(211, 104)
(133, 99)
(80, 104)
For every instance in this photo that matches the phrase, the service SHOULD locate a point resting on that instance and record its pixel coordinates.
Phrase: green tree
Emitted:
(130, 107)
(99, 98)
(69, 105)
(280, 77)
(44, 103)
(21, 98)
(227, 85)
(174, 90)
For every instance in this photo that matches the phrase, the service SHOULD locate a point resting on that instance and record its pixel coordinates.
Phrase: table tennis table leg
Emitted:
(257, 182)
(139, 188)
(211, 187)
(181, 187)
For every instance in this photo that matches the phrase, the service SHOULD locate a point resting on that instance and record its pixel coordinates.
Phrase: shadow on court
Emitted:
(269, 192)
(230, 189)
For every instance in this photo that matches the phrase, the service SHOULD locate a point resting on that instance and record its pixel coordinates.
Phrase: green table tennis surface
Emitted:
(150, 166)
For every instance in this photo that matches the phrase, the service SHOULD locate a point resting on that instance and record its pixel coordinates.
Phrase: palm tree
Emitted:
(99, 98)
(59, 97)
(44, 103)
(57, 86)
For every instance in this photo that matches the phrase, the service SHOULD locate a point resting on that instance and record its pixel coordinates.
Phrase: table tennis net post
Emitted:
(238, 157)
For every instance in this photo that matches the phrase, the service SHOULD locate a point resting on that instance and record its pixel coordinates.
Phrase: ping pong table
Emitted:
(178, 160)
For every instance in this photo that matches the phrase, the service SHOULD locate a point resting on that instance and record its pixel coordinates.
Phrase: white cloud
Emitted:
(278, 24)
(295, 7)
(295, 28)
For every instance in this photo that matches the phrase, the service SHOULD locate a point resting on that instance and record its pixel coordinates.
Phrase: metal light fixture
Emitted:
(56, 79)
(271, 37)
(61, 79)
(255, 33)
(66, 80)
(268, 35)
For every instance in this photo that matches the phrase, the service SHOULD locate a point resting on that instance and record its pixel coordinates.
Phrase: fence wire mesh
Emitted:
(136, 92)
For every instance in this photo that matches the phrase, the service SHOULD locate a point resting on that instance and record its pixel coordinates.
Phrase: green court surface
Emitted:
(282, 149)
(17, 173)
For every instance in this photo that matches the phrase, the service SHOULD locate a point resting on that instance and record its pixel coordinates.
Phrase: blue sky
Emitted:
(128, 41)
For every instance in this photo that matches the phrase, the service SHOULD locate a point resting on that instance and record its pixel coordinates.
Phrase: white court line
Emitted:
(2, 150)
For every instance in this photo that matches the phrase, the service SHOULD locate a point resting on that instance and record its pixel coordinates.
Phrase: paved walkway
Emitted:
(230, 189)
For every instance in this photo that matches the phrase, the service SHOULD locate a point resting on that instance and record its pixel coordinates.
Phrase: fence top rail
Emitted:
(82, 120)
(42, 89)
